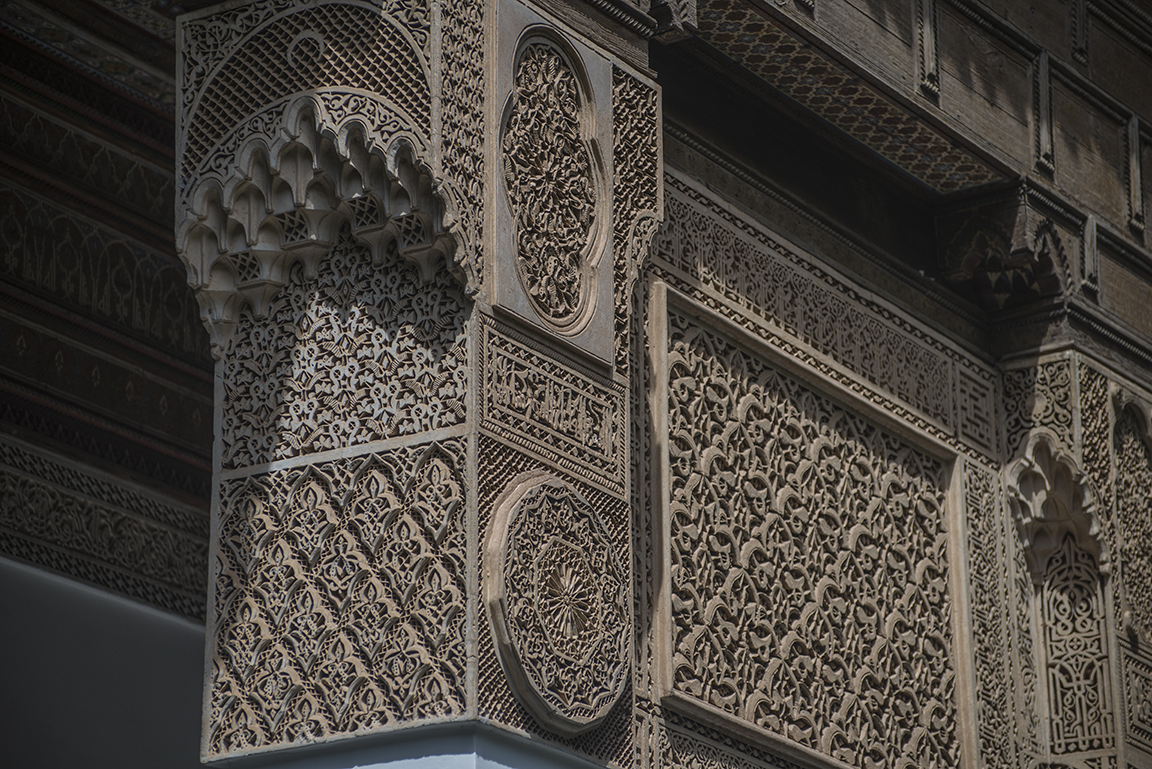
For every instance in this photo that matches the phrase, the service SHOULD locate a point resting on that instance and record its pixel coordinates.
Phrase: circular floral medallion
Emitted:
(557, 595)
(548, 174)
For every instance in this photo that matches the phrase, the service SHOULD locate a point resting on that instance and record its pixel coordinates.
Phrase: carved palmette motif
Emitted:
(558, 597)
(549, 177)
(341, 599)
(809, 568)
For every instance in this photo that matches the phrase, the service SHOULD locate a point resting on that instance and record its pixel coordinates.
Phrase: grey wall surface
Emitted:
(90, 680)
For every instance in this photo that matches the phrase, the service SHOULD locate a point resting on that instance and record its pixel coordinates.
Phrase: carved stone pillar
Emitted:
(414, 230)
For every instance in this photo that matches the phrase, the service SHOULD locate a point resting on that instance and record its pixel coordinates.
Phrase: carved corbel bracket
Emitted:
(675, 19)
(1004, 251)
(1051, 497)
(283, 201)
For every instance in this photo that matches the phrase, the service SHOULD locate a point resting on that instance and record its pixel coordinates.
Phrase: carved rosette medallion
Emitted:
(557, 596)
(551, 185)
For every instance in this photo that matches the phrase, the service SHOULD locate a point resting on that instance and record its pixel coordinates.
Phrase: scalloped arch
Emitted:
(284, 197)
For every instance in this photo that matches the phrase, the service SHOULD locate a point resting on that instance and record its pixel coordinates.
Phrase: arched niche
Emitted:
(1055, 511)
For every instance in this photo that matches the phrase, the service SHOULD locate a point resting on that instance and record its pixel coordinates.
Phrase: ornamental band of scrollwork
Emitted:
(558, 598)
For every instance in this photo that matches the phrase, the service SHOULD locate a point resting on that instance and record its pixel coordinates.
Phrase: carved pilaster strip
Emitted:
(1045, 155)
(637, 195)
(1080, 30)
(929, 54)
(990, 616)
(1135, 176)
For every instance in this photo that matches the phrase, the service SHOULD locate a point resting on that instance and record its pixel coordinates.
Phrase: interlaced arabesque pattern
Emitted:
(548, 174)
(362, 353)
(1134, 502)
(341, 599)
(987, 587)
(320, 46)
(635, 160)
(1038, 396)
(809, 564)
(1076, 650)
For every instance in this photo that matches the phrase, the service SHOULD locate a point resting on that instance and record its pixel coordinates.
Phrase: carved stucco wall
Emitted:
(1053, 675)
(815, 543)
(331, 214)
(801, 405)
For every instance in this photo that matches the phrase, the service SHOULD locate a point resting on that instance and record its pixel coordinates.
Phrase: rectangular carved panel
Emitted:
(808, 564)
(552, 410)
(340, 602)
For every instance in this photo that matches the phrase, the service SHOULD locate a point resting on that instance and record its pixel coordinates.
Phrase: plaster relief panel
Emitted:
(807, 603)
(553, 257)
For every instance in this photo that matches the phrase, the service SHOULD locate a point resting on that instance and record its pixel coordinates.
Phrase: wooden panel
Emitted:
(1048, 23)
(1121, 69)
(1126, 292)
(893, 15)
(985, 84)
(1090, 148)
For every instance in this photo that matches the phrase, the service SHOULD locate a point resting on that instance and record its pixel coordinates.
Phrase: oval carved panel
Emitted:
(557, 596)
(551, 185)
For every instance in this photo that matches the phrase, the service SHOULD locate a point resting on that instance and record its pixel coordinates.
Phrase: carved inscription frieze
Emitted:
(341, 598)
(551, 409)
(551, 185)
(809, 564)
(358, 354)
(62, 516)
(557, 589)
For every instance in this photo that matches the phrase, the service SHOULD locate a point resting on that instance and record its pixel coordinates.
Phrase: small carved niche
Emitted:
(1054, 506)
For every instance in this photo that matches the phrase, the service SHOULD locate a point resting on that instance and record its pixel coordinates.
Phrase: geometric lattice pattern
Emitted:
(341, 600)
(339, 46)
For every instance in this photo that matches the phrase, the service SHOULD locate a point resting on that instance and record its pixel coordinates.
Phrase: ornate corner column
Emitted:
(414, 231)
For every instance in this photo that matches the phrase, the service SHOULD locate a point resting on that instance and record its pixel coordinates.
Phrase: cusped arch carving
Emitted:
(276, 49)
(1051, 497)
(290, 189)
